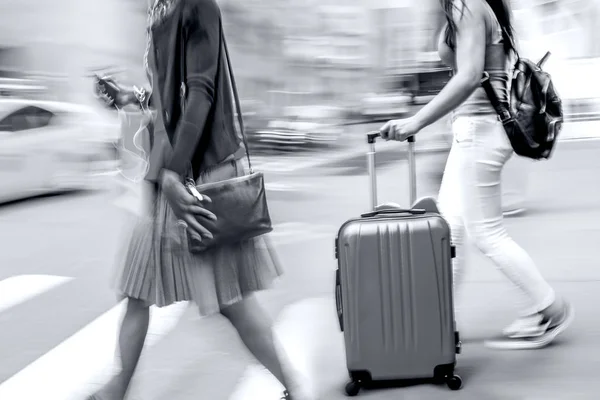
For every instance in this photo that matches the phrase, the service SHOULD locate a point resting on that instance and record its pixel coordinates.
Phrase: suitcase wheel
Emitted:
(454, 382)
(352, 388)
(445, 374)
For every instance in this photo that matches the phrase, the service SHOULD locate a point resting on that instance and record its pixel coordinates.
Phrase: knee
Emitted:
(236, 313)
(137, 307)
(488, 241)
(245, 312)
(455, 222)
(457, 231)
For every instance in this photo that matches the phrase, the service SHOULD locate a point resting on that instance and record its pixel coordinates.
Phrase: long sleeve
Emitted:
(202, 62)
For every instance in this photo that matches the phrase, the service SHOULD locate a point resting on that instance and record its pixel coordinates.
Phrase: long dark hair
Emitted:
(501, 10)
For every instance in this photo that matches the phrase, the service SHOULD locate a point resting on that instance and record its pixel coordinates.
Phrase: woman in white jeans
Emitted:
(477, 38)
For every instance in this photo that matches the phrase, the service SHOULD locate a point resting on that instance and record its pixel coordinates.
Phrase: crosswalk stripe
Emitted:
(84, 361)
(20, 288)
(257, 383)
(294, 232)
(303, 344)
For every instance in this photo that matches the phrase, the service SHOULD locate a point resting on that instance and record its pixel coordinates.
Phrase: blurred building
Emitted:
(327, 51)
(285, 52)
(393, 37)
(66, 39)
(340, 52)
(255, 43)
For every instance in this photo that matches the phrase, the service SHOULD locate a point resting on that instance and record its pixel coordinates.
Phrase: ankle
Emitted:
(555, 309)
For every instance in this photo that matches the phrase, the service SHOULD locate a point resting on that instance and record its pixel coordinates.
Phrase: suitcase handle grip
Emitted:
(414, 211)
(338, 299)
(372, 136)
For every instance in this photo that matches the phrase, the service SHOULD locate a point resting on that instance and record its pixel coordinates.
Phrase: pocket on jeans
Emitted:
(463, 130)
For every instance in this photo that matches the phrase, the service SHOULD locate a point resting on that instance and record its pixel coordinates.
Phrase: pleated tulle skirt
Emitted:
(158, 268)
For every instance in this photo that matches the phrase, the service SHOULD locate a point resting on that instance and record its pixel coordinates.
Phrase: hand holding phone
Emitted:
(191, 188)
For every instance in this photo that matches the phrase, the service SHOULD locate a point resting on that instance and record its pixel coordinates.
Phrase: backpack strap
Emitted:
(501, 109)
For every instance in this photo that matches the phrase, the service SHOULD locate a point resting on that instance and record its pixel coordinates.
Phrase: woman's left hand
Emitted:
(189, 210)
(399, 129)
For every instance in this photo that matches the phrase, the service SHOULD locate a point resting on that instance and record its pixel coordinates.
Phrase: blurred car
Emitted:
(49, 147)
(300, 127)
(379, 107)
(11, 87)
(256, 115)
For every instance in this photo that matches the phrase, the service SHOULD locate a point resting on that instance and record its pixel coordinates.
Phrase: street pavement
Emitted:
(58, 316)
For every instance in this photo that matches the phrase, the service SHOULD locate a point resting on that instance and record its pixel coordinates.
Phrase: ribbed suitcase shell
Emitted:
(397, 312)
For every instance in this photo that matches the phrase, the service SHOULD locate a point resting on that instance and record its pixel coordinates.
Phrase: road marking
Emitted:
(305, 330)
(84, 361)
(283, 164)
(19, 289)
(288, 187)
(257, 383)
(294, 232)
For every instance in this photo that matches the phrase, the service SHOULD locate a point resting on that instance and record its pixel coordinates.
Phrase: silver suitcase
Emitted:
(394, 291)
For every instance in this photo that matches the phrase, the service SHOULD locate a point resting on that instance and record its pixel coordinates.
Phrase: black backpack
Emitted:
(533, 117)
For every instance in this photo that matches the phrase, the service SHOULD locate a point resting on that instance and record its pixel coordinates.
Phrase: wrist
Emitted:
(419, 122)
(168, 178)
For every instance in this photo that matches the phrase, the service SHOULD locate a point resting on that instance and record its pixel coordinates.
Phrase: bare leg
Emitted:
(132, 335)
(254, 327)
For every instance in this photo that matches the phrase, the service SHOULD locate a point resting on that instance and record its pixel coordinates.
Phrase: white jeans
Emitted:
(470, 199)
(515, 183)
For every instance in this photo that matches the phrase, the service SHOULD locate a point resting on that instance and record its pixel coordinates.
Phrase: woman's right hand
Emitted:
(185, 206)
(113, 94)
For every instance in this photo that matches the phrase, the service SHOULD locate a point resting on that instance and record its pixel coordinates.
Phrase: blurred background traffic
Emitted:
(314, 76)
(311, 74)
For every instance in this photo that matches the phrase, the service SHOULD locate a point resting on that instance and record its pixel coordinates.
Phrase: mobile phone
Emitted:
(191, 188)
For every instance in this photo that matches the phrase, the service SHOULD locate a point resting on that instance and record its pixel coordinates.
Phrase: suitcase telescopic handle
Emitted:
(412, 170)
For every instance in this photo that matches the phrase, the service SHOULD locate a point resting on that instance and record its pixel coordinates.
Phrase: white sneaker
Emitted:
(533, 332)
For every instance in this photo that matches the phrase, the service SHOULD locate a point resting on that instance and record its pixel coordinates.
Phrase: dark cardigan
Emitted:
(194, 87)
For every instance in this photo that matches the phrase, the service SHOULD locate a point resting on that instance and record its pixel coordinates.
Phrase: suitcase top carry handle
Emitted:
(389, 211)
(372, 136)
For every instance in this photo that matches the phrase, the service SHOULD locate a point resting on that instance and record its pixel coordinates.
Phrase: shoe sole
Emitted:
(533, 344)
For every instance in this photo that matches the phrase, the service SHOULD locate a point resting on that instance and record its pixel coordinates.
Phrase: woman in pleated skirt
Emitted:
(158, 269)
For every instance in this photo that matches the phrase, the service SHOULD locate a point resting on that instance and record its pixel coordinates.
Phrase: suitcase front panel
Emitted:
(396, 287)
